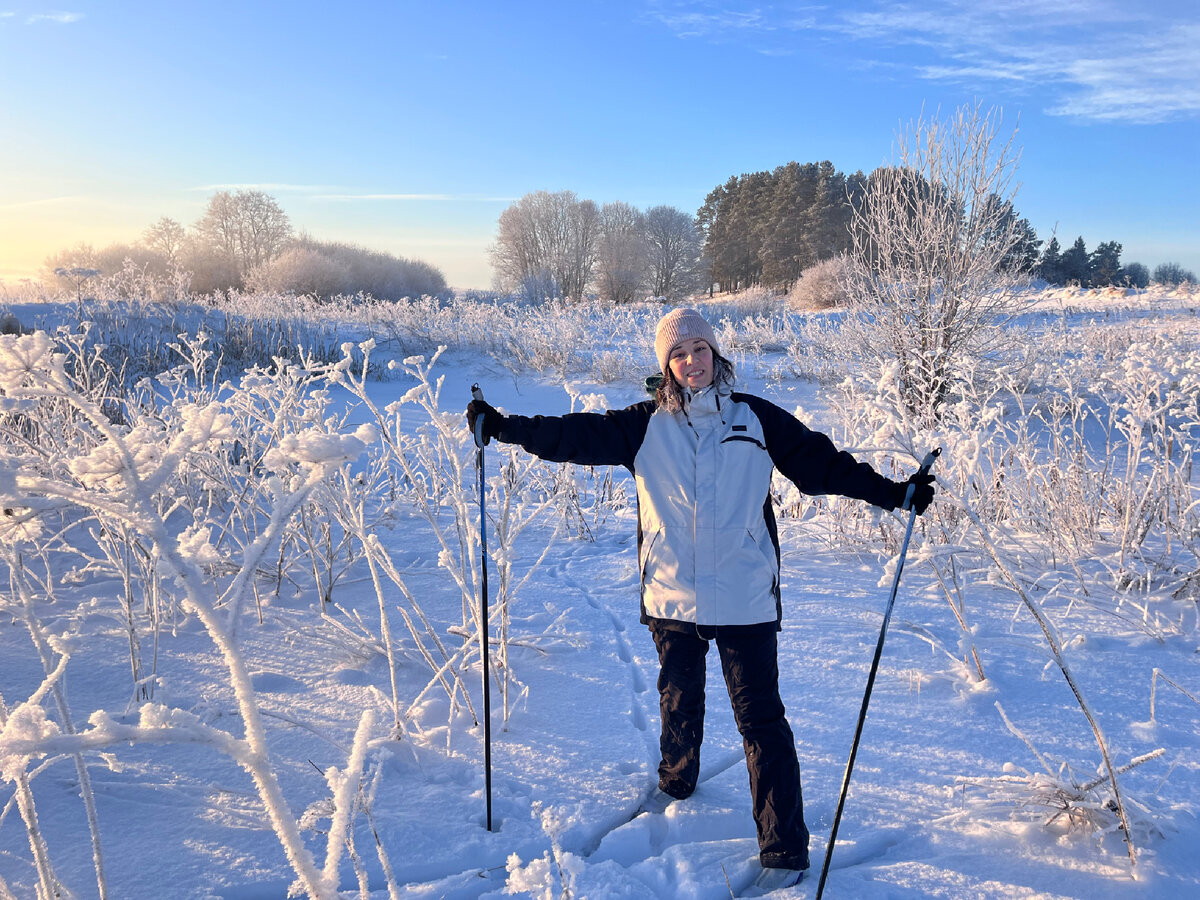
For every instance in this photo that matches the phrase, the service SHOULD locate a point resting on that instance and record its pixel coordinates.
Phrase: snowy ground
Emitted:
(928, 814)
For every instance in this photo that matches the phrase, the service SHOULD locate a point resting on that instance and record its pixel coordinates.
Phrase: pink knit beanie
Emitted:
(680, 325)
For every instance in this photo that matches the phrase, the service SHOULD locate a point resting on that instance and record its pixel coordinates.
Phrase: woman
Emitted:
(702, 457)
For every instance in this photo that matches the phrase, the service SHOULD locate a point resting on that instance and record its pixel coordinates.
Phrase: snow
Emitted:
(941, 804)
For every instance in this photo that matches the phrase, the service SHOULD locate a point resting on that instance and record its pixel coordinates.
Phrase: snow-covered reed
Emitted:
(203, 498)
(609, 343)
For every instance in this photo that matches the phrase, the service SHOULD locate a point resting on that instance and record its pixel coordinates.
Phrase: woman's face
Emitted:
(691, 362)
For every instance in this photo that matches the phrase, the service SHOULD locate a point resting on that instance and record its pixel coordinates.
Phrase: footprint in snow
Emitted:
(276, 683)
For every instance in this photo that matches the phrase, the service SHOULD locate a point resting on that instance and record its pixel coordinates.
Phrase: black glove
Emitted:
(922, 496)
(491, 419)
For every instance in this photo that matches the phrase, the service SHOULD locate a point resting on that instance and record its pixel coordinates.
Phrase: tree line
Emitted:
(244, 240)
(761, 228)
(557, 245)
(768, 227)
(1102, 267)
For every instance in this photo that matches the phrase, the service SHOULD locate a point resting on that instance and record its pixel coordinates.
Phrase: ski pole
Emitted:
(926, 465)
(477, 394)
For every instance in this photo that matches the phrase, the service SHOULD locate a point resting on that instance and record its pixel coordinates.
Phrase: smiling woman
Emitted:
(708, 551)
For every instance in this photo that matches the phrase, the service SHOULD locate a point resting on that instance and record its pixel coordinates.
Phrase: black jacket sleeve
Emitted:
(590, 439)
(810, 460)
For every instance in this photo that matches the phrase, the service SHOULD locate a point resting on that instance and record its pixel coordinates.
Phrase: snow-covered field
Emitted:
(156, 702)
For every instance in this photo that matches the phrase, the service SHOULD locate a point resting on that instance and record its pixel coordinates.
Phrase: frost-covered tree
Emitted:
(81, 256)
(326, 269)
(244, 228)
(166, 237)
(77, 276)
(546, 241)
(928, 283)
(621, 253)
(302, 270)
(674, 246)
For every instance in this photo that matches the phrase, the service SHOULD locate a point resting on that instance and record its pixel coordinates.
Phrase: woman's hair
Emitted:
(670, 392)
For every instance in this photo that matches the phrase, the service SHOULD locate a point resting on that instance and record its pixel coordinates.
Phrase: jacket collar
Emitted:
(704, 402)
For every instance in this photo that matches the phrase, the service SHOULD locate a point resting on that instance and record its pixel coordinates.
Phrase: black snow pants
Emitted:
(750, 664)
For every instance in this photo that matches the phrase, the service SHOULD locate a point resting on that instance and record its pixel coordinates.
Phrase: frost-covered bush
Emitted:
(326, 269)
(302, 270)
(821, 286)
(929, 287)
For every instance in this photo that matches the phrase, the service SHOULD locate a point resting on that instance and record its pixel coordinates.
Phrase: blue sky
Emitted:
(409, 126)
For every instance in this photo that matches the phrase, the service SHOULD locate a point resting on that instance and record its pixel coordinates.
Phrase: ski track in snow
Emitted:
(628, 840)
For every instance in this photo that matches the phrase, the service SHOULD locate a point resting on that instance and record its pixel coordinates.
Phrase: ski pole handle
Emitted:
(926, 465)
(477, 394)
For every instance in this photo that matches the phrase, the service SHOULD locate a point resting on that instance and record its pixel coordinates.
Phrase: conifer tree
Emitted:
(767, 227)
(1076, 264)
(1050, 266)
(1105, 264)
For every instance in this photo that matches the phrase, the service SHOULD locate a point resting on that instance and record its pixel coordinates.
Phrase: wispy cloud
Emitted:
(1156, 80)
(691, 20)
(56, 17)
(1096, 60)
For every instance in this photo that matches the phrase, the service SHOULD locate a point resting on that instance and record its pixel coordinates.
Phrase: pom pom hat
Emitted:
(680, 325)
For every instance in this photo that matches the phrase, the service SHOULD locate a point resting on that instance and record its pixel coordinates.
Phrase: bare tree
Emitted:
(621, 253)
(245, 228)
(165, 237)
(931, 236)
(518, 256)
(574, 271)
(546, 245)
(674, 245)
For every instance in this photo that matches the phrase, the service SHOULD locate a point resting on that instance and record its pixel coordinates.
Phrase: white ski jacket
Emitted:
(708, 548)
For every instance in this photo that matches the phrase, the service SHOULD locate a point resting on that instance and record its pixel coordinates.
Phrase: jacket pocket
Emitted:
(765, 566)
(646, 555)
(745, 438)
